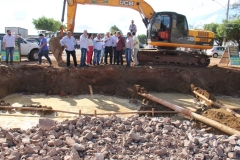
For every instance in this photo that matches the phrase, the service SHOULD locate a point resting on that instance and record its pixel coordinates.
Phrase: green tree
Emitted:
(218, 30)
(232, 30)
(48, 24)
(114, 29)
(235, 8)
(142, 38)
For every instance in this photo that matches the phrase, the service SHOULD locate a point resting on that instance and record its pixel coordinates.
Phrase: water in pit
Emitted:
(86, 103)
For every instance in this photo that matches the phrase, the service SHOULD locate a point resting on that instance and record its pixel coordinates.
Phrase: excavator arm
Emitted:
(166, 30)
(145, 10)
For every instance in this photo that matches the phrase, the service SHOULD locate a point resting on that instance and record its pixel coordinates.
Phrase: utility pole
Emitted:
(227, 13)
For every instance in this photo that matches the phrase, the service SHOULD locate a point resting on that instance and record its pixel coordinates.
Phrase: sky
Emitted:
(99, 19)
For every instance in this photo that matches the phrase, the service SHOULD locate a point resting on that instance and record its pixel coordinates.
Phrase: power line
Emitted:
(210, 14)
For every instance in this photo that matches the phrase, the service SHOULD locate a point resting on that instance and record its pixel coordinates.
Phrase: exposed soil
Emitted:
(224, 117)
(114, 80)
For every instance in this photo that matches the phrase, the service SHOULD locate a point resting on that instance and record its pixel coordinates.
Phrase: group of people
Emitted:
(98, 49)
(93, 50)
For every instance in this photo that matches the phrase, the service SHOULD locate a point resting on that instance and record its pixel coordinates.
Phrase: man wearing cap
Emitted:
(43, 50)
(9, 44)
(69, 42)
(133, 27)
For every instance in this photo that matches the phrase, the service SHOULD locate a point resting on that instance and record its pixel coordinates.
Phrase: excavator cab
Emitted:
(168, 27)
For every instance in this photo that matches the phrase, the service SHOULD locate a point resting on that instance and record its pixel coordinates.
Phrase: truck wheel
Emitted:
(34, 55)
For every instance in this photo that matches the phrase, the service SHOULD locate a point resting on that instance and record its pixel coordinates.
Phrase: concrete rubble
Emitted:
(98, 138)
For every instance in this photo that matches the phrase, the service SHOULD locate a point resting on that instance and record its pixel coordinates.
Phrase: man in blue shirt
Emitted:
(43, 50)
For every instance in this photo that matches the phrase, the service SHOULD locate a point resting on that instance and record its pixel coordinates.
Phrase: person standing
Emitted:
(119, 48)
(90, 49)
(78, 44)
(83, 47)
(43, 50)
(133, 27)
(97, 49)
(68, 42)
(102, 51)
(115, 38)
(9, 44)
(129, 47)
(109, 41)
(135, 49)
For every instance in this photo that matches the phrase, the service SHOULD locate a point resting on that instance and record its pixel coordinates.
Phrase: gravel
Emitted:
(98, 138)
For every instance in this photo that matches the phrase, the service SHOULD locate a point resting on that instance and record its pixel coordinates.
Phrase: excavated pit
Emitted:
(115, 137)
(115, 81)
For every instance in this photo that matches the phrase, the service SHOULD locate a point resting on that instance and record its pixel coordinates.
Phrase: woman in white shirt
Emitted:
(90, 48)
(129, 47)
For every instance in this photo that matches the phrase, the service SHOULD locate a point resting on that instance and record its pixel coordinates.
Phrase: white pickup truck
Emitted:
(27, 49)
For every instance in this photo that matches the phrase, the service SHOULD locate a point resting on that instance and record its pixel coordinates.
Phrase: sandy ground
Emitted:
(86, 103)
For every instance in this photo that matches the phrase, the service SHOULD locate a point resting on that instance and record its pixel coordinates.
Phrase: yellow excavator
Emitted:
(166, 31)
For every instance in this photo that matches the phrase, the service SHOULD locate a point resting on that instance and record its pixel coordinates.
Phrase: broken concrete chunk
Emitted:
(134, 136)
(70, 141)
(74, 155)
(79, 147)
(46, 124)
(9, 136)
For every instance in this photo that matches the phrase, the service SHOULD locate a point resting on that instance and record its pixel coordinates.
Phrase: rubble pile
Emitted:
(99, 138)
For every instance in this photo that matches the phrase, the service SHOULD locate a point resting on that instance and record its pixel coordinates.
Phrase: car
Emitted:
(32, 41)
(37, 41)
(27, 49)
(215, 51)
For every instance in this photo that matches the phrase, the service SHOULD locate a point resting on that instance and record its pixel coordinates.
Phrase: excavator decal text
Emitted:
(126, 3)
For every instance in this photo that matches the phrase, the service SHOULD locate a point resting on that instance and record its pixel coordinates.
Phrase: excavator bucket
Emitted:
(56, 49)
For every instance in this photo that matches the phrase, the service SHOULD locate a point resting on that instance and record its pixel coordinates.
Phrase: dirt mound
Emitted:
(224, 117)
(203, 92)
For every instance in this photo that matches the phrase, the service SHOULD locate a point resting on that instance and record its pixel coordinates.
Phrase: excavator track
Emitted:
(172, 57)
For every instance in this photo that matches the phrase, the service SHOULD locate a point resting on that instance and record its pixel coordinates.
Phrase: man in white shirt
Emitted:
(83, 47)
(102, 51)
(69, 44)
(9, 44)
(97, 46)
(115, 38)
(109, 41)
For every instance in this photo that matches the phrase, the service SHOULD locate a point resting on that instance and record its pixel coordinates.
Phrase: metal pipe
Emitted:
(35, 109)
(216, 104)
(80, 113)
(188, 113)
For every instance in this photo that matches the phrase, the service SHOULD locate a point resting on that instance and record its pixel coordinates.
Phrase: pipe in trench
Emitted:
(216, 104)
(196, 116)
(52, 110)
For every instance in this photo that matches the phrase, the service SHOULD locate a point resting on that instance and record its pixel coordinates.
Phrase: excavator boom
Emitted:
(141, 6)
(165, 30)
